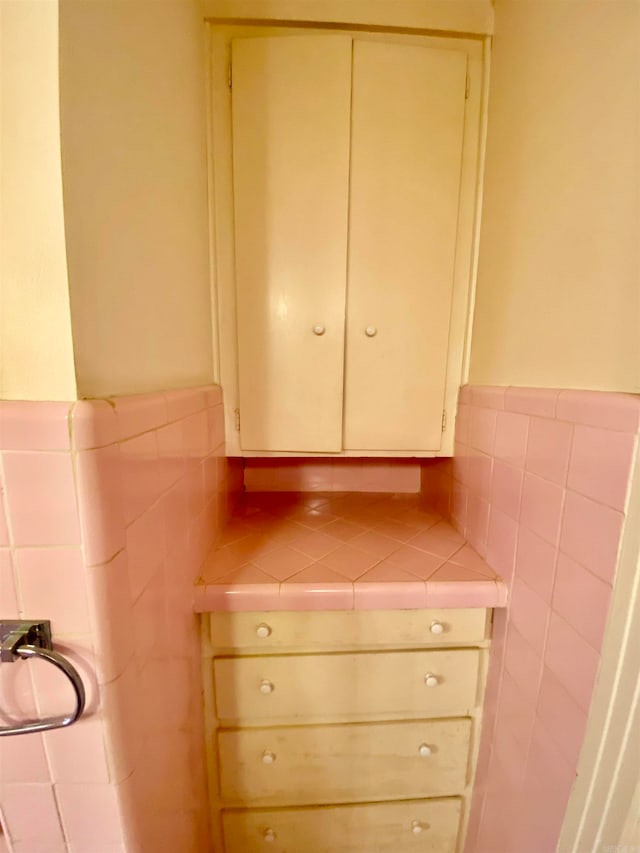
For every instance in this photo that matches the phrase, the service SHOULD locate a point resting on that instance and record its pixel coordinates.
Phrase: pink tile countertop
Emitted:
(342, 551)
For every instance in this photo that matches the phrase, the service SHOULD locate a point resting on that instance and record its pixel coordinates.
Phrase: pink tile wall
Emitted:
(108, 510)
(331, 475)
(538, 486)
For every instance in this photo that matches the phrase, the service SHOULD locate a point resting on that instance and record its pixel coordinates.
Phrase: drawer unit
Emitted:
(263, 633)
(364, 685)
(420, 826)
(343, 732)
(306, 765)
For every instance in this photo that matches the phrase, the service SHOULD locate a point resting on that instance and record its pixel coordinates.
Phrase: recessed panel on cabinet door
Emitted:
(421, 826)
(408, 122)
(306, 765)
(291, 112)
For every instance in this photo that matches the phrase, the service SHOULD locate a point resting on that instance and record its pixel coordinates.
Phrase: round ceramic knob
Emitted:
(425, 750)
(266, 686)
(319, 329)
(268, 757)
(263, 630)
(416, 827)
(269, 835)
(371, 331)
(436, 628)
(431, 680)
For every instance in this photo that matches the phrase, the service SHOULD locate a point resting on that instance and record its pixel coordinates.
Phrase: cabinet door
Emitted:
(291, 112)
(408, 116)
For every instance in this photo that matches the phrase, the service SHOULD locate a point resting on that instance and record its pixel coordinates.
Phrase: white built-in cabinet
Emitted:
(344, 177)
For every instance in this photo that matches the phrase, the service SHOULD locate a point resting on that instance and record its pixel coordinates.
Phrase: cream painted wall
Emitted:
(36, 357)
(470, 16)
(558, 284)
(133, 107)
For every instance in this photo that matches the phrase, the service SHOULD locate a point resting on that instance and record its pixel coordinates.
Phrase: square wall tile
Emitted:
(483, 429)
(4, 530)
(572, 660)
(506, 488)
(146, 548)
(30, 813)
(501, 543)
(52, 584)
(536, 563)
(601, 462)
(8, 592)
(565, 720)
(142, 477)
(541, 510)
(41, 498)
(100, 500)
(90, 812)
(591, 535)
(77, 753)
(511, 438)
(522, 664)
(23, 759)
(548, 449)
(111, 614)
(530, 615)
(582, 599)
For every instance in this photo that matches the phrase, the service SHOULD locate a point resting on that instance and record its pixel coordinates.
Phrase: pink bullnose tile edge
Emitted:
(34, 426)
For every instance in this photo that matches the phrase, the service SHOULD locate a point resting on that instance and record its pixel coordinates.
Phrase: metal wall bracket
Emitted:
(22, 632)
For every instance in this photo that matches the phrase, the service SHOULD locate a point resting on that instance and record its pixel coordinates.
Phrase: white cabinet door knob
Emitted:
(269, 835)
(416, 827)
(263, 630)
(371, 331)
(431, 680)
(425, 750)
(436, 628)
(268, 757)
(266, 686)
(318, 329)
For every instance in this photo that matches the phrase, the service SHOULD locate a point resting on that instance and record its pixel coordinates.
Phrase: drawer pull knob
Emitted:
(269, 835)
(318, 329)
(417, 827)
(436, 628)
(425, 750)
(431, 680)
(266, 686)
(263, 630)
(268, 757)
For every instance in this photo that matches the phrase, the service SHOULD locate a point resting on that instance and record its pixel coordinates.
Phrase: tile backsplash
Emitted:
(538, 486)
(109, 508)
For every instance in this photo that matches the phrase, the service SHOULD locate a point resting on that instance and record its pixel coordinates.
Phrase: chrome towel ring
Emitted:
(21, 640)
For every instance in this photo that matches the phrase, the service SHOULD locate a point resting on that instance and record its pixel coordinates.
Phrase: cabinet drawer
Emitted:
(426, 826)
(366, 685)
(334, 631)
(344, 763)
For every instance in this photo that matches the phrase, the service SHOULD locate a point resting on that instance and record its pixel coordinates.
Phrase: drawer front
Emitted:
(365, 686)
(427, 826)
(344, 763)
(333, 631)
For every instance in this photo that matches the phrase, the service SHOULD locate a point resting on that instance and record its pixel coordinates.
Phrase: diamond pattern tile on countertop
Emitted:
(340, 551)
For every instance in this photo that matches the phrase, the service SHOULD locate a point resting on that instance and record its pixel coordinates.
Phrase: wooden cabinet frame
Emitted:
(477, 49)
